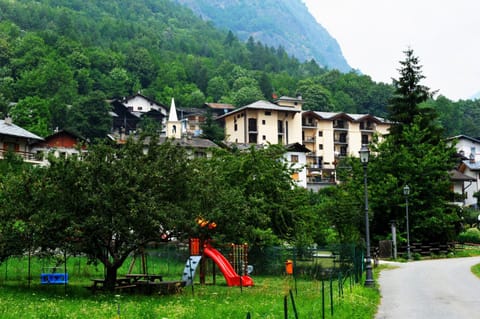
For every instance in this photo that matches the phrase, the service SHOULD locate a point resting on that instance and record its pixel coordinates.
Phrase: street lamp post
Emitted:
(364, 156)
(406, 192)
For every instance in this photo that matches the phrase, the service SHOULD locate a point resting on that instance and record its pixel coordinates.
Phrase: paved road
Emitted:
(439, 289)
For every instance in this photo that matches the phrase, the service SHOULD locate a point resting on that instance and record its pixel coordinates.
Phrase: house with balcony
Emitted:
(62, 143)
(15, 139)
(127, 113)
(468, 150)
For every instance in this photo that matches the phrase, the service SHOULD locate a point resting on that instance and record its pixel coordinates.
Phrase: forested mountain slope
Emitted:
(60, 60)
(286, 23)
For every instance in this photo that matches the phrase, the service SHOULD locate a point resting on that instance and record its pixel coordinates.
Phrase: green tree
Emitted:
(120, 198)
(217, 87)
(212, 130)
(90, 116)
(263, 180)
(414, 154)
(424, 167)
(33, 114)
(406, 103)
(317, 97)
(246, 95)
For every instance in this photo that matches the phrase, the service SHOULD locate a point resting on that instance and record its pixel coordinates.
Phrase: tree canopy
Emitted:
(413, 154)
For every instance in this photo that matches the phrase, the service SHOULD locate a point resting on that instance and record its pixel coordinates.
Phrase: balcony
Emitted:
(366, 126)
(340, 140)
(28, 157)
(309, 123)
(340, 125)
(309, 139)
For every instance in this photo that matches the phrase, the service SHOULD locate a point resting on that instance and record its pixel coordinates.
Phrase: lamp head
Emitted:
(406, 190)
(364, 154)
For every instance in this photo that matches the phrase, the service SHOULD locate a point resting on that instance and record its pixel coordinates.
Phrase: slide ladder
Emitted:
(190, 269)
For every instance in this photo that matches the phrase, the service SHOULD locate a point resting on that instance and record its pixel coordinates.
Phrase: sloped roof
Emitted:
(8, 128)
(131, 97)
(220, 106)
(457, 176)
(465, 137)
(350, 116)
(297, 147)
(288, 98)
(262, 105)
(473, 166)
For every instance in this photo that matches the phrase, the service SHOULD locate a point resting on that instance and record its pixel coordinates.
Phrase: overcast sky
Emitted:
(444, 34)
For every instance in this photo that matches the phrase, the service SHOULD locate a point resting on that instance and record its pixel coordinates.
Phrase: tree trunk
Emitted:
(111, 278)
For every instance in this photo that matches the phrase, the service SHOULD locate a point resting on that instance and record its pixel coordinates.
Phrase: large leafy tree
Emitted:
(33, 114)
(119, 199)
(90, 116)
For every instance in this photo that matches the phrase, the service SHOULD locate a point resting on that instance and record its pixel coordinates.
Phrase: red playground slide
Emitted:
(232, 278)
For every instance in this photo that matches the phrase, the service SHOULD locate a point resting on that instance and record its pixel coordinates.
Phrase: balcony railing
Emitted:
(26, 156)
(340, 141)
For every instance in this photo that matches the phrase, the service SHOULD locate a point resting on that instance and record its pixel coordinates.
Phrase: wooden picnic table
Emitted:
(148, 277)
(120, 283)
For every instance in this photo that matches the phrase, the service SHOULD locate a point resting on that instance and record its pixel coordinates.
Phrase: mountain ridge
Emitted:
(276, 23)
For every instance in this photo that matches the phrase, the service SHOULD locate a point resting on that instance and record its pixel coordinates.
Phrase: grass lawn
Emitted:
(264, 300)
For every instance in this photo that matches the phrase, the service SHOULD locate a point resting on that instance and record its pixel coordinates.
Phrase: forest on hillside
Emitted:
(60, 60)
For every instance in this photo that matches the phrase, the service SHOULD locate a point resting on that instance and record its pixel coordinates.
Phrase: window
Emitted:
(263, 122)
(12, 147)
(364, 139)
(268, 113)
(235, 127)
(320, 133)
(294, 158)
(320, 146)
(252, 125)
(264, 137)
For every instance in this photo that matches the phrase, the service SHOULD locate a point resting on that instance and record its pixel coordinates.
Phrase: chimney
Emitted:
(8, 120)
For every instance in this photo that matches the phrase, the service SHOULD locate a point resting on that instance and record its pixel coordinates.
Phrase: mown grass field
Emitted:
(264, 300)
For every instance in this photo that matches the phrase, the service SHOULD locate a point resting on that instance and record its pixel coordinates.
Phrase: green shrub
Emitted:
(471, 235)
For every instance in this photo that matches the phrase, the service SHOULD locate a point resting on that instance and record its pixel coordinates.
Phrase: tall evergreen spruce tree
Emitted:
(414, 153)
(406, 103)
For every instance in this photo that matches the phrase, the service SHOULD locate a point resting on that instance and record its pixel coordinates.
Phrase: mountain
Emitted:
(276, 23)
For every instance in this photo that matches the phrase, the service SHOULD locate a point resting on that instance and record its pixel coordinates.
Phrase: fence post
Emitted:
(323, 298)
(293, 304)
(331, 295)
